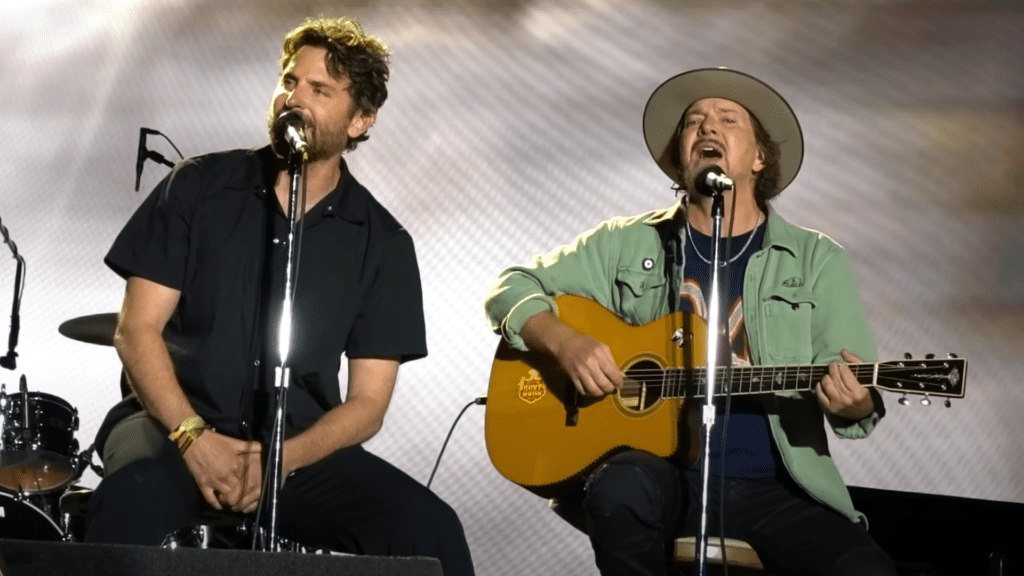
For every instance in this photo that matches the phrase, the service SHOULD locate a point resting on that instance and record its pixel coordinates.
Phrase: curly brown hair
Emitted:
(351, 53)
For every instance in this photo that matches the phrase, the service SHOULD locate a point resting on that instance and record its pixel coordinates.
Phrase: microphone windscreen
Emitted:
(289, 121)
(700, 179)
(291, 118)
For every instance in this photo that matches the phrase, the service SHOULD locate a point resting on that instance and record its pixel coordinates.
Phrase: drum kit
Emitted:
(40, 461)
(39, 457)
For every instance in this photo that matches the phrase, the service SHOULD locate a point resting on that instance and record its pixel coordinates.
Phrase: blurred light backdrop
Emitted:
(512, 126)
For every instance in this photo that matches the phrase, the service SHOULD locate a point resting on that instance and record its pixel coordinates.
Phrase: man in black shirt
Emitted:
(204, 259)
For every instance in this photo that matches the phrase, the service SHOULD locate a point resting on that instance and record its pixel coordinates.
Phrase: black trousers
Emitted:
(352, 501)
(637, 504)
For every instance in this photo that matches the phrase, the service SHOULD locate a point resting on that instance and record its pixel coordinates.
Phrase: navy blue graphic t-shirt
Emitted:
(749, 452)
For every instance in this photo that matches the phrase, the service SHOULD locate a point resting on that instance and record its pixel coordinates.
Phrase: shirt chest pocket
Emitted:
(787, 325)
(639, 292)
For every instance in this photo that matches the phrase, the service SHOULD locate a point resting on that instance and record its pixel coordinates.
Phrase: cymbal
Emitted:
(94, 329)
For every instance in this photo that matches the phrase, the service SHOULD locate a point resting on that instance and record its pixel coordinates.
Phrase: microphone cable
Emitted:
(145, 153)
(479, 401)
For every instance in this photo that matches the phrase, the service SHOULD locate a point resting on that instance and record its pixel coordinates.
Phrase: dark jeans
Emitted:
(351, 502)
(636, 504)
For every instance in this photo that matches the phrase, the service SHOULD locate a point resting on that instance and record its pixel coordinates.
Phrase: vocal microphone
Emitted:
(147, 154)
(140, 159)
(711, 181)
(290, 127)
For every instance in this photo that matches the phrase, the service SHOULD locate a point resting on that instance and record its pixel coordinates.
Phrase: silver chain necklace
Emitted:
(689, 234)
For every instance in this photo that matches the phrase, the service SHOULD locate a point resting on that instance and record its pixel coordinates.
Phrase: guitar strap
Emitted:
(675, 260)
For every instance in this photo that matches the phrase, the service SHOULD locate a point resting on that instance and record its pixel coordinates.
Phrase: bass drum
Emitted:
(42, 455)
(20, 520)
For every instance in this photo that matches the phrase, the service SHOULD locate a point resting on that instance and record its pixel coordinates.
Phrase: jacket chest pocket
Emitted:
(787, 325)
(638, 292)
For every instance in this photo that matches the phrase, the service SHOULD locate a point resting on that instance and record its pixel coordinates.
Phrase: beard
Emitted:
(321, 144)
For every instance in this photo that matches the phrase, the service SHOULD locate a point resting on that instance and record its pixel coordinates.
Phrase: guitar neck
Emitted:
(931, 376)
(747, 380)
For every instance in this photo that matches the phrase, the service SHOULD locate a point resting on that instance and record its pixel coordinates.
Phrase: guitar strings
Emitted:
(784, 377)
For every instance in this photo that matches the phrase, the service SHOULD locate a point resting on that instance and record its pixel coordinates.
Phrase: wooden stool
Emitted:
(742, 559)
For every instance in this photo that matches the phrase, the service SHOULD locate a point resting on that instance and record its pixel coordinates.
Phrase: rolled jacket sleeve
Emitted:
(580, 267)
(620, 264)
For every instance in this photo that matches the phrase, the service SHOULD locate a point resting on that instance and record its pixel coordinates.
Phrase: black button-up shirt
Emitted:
(214, 231)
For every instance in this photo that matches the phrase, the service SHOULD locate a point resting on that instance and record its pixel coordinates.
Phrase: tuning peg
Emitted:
(951, 355)
(948, 403)
(903, 401)
(929, 356)
(907, 355)
(926, 401)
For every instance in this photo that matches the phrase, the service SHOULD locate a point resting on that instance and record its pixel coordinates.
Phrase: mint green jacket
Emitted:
(800, 303)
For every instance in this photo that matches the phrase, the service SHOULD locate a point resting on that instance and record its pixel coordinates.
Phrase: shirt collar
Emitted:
(346, 201)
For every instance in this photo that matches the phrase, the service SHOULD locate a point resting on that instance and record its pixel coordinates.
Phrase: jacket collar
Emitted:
(778, 234)
(666, 214)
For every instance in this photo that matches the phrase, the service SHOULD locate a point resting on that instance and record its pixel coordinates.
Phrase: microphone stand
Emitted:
(711, 377)
(272, 480)
(10, 360)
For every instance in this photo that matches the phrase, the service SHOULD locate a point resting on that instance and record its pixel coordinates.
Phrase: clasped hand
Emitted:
(228, 471)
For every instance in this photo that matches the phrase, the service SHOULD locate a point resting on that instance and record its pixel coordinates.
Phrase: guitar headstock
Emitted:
(945, 377)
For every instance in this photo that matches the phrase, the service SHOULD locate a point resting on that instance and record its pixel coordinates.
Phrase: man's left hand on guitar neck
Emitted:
(840, 393)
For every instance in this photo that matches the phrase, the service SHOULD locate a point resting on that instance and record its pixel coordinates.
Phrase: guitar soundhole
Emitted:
(643, 386)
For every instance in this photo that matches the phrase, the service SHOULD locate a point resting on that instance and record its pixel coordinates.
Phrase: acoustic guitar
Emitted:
(541, 433)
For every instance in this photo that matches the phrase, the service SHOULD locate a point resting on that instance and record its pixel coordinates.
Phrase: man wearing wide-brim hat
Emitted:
(788, 298)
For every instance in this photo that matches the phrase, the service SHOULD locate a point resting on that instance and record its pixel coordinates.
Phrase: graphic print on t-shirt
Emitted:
(749, 450)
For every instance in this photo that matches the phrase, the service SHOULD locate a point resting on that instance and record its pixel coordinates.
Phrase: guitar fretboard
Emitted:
(692, 382)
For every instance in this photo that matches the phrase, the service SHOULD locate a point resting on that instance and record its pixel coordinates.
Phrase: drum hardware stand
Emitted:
(3, 417)
(271, 489)
(25, 430)
(65, 527)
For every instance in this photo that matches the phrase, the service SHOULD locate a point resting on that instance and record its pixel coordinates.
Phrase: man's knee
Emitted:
(866, 561)
(141, 503)
(633, 489)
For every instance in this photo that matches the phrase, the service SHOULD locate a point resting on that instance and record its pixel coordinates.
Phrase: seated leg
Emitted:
(356, 502)
(632, 504)
(794, 534)
(147, 492)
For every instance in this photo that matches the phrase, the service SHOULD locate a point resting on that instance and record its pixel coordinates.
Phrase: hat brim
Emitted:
(668, 103)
